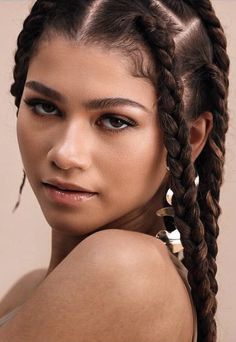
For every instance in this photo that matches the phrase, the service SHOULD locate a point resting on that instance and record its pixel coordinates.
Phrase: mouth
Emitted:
(65, 186)
(66, 196)
(67, 190)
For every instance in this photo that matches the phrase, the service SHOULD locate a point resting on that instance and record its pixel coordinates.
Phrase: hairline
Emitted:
(140, 57)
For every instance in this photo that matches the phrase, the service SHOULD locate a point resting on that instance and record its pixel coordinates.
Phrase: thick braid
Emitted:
(211, 161)
(25, 42)
(187, 213)
(215, 31)
(190, 206)
(210, 167)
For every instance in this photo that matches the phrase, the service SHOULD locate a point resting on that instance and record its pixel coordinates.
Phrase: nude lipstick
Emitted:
(71, 197)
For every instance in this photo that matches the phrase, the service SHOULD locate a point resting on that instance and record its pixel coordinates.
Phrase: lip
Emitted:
(61, 185)
(67, 197)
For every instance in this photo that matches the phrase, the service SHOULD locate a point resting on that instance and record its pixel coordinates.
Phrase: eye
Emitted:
(109, 122)
(41, 107)
(114, 123)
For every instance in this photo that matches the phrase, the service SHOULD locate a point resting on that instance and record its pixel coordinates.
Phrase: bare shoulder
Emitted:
(114, 286)
(21, 290)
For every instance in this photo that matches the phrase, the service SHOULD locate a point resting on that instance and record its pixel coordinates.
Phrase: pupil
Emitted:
(116, 122)
(48, 107)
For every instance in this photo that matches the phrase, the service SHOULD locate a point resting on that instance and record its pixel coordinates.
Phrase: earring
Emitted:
(169, 193)
(169, 211)
(171, 238)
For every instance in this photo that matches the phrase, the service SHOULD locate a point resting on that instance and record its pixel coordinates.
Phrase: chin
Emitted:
(66, 225)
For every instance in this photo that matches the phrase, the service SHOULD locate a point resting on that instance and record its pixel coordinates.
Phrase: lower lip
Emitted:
(66, 197)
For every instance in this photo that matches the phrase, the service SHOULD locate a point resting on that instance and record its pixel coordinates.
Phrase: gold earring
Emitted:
(173, 241)
(169, 211)
(169, 193)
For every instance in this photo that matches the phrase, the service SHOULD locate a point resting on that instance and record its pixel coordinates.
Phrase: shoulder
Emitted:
(127, 248)
(21, 290)
(116, 285)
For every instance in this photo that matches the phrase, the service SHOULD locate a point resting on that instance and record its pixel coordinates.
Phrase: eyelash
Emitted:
(32, 103)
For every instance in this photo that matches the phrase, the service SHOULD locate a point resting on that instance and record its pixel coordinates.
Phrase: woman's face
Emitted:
(70, 135)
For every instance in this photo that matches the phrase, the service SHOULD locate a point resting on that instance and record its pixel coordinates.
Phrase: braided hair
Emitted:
(189, 68)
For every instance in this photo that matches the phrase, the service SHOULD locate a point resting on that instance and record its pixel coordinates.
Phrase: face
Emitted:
(65, 134)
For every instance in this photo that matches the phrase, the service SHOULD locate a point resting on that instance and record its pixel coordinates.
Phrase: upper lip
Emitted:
(66, 186)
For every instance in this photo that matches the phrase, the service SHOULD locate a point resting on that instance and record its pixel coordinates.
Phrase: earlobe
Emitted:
(199, 132)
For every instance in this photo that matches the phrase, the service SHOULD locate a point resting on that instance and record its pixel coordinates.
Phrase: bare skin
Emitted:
(116, 285)
(21, 290)
(125, 166)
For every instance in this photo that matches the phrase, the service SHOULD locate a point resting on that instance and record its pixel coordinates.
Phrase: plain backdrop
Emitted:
(25, 235)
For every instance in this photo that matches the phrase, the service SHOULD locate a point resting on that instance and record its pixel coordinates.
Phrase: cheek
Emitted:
(137, 169)
(29, 144)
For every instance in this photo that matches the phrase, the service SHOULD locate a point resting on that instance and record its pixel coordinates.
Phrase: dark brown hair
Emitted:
(189, 67)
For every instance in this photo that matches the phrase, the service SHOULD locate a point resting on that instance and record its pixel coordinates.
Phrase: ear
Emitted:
(199, 132)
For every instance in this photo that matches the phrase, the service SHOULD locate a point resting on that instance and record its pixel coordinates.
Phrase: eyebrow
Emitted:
(102, 103)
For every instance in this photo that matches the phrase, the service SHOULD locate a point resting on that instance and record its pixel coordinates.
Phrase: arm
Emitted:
(21, 290)
(114, 286)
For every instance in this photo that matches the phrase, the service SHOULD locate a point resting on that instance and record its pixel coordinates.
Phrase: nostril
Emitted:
(56, 164)
(67, 157)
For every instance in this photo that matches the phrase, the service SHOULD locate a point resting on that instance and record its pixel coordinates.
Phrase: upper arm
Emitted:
(21, 290)
(111, 287)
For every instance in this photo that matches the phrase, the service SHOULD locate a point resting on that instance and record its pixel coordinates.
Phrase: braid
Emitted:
(182, 171)
(20, 192)
(210, 167)
(32, 29)
(215, 31)
(211, 161)
(26, 42)
(196, 210)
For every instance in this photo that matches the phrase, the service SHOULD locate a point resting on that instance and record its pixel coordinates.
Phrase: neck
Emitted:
(61, 245)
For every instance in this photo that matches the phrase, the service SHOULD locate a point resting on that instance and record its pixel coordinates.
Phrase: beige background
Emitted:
(25, 235)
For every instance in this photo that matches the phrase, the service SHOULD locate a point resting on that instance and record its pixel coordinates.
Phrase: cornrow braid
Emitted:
(182, 171)
(26, 42)
(196, 211)
(211, 161)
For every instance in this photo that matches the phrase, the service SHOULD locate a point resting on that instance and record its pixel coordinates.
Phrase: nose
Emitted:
(71, 147)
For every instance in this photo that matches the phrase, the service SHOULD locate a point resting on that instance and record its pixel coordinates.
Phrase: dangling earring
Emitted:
(169, 193)
(171, 239)
(169, 211)
(20, 192)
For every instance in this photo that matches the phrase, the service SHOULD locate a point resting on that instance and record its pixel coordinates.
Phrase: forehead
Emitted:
(82, 69)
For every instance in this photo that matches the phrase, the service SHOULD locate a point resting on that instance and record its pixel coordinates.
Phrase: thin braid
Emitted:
(211, 161)
(20, 192)
(187, 212)
(191, 208)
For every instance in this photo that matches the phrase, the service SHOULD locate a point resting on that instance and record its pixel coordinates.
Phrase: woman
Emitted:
(155, 73)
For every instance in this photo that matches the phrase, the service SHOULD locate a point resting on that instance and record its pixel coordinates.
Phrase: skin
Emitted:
(127, 167)
(115, 286)
(128, 170)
